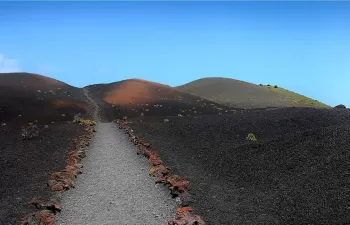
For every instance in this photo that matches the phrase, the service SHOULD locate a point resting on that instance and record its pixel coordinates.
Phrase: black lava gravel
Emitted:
(298, 172)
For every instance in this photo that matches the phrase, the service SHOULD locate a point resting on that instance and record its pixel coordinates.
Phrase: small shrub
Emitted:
(341, 106)
(125, 117)
(77, 119)
(268, 85)
(166, 120)
(251, 137)
(28, 132)
(275, 86)
(179, 115)
(260, 85)
(63, 115)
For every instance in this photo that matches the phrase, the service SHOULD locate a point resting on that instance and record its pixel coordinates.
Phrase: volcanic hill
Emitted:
(26, 97)
(136, 97)
(240, 94)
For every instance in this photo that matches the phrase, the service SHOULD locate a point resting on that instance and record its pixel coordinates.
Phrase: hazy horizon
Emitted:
(301, 46)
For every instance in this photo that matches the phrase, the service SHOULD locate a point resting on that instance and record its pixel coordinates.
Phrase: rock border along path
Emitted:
(115, 188)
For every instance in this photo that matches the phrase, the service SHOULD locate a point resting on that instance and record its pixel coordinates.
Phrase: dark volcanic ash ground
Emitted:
(298, 172)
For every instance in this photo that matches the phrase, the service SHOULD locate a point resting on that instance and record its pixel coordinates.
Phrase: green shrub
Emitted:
(251, 137)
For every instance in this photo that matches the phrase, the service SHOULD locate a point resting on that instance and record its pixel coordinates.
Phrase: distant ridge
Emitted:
(30, 95)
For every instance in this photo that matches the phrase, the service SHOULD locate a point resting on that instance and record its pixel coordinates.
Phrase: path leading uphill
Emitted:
(115, 188)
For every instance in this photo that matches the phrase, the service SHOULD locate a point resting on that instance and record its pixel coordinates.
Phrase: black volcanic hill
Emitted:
(242, 94)
(27, 97)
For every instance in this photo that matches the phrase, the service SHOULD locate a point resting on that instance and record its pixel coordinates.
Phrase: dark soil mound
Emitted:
(134, 97)
(297, 172)
(27, 165)
(27, 97)
(240, 94)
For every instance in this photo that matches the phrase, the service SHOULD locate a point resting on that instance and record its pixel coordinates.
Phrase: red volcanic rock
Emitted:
(50, 205)
(176, 180)
(159, 169)
(150, 154)
(182, 210)
(185, 216)
(56, 186)
(74, 158)
(79, 152)
(71, 172)
(161, 180)
(29, 219)
(155, 162)
(47, 217)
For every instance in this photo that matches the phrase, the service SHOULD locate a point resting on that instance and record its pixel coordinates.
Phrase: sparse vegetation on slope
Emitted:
(134, 98)
(239, 94)
(25, 97)
(299, 99)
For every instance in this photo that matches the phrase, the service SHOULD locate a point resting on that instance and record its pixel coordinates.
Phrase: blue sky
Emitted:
(302, 46)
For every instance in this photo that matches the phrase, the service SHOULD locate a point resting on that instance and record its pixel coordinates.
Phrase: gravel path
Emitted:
(115, 187)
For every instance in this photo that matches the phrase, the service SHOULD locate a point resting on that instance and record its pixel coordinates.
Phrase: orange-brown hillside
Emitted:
(139, 91)
(135, 96)
(26, 97)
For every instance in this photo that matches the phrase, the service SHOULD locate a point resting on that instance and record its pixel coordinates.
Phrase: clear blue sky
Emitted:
(302, 46)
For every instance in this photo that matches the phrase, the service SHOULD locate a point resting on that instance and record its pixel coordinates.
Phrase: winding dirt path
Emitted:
(114, 188)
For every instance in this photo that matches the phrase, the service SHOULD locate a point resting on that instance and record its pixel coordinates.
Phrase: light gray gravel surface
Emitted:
(115, 188)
